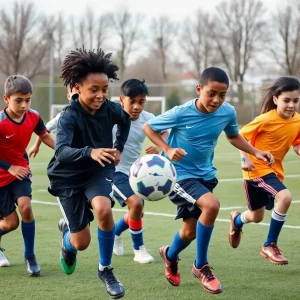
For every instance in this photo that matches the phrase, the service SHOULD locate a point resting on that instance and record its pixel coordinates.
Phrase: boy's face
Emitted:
(93, 91)
(133, 106)
(211, 96)
(18, 104)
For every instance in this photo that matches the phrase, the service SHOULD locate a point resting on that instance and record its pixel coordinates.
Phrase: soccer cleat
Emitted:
(235, 234)
(67, 259)
(118, 246)
(171, 267)
(3, 260)
(33, 269)
(142, 256)
(273, 254)
(113, 286)
(209, 282)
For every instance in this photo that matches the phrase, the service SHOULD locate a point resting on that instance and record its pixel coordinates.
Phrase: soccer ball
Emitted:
(152, 177)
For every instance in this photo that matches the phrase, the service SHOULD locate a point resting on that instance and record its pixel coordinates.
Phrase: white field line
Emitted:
(166, 215)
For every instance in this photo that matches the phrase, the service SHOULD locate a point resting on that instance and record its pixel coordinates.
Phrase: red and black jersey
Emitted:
(14, 139)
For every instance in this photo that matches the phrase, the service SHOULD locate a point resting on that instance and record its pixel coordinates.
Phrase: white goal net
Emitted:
(155, 105)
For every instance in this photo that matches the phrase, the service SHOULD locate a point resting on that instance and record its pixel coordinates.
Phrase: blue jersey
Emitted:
(197, 134)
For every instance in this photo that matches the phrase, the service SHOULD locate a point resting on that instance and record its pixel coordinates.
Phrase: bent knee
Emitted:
(188, 235)
(284, 197)
(81, 244)
(213, 205)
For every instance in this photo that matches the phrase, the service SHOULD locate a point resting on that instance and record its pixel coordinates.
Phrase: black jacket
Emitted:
(78, 132)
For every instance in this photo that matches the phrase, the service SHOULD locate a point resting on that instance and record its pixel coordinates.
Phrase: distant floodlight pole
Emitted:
(51, 71)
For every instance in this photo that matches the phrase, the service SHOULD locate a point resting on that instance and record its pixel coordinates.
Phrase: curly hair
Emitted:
(80, 63)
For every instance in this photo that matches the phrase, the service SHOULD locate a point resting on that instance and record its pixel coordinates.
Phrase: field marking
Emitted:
(166, 215)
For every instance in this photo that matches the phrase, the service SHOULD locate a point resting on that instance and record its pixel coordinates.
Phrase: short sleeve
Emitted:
(167, 120)
(232, 128)
(251, 130)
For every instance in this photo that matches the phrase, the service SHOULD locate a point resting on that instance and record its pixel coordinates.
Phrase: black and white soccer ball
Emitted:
(152, 177)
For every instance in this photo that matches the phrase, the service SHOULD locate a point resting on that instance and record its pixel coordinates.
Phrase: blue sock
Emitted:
(28, 231)
(277, 221)
(177, 246)
(106, 244)
(67, 242)
(203, 237)
(2, 232)
(238, 221)
(121, 226)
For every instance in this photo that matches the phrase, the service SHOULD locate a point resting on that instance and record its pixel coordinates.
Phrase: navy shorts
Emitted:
(261, 192)
(75, 203)
(10, 193)
(121, 181)
(186, 192)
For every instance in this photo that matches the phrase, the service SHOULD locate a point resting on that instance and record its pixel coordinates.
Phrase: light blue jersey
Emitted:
(197, 134)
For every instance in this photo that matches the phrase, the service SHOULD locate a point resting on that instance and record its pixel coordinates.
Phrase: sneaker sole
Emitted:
(206, 289)
(144, 262)
(262, 254)
(117, 296)
(34, 274)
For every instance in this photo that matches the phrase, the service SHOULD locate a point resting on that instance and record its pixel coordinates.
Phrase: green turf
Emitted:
(242, 272)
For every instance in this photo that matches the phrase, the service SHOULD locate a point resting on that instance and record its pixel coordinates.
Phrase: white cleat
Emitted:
(3, 260)
(118, 246)
(142, 256)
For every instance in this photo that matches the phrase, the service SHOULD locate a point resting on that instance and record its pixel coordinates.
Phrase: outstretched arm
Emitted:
(48, 140)
(240, 143)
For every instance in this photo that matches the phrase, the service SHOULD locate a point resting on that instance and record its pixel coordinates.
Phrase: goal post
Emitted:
(155, 105)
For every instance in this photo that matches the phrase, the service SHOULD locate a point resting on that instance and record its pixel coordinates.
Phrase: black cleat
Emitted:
(113, 286)
(33, 269)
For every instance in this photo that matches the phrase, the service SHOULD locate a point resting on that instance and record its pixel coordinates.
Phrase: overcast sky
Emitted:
(178, 9)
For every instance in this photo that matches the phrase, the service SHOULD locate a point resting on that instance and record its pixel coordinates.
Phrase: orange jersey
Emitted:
(270, 132)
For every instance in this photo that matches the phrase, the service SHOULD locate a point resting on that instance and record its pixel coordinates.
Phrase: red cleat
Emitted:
(171, 267)
(208, 280)
(273, 254)
(235, 234)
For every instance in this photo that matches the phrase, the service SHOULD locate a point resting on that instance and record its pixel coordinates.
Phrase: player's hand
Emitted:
(34, 150)
(19, 172)
(265, 156)
(117, 157)
(247, 164)
(176, 154)
(152, 150)
(102, 155)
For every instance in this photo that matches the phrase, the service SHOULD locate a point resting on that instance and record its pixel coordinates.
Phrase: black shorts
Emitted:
(187, 192)
(121, 181)
(10, 193)
(75, 203)
(261, 192)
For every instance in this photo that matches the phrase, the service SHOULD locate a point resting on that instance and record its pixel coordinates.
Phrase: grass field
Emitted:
(242, 272)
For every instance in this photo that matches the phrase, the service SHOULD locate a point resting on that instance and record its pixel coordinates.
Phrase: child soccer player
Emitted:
(17, 123)
(51, 127)
(277, 128)
(133, 99)
(195, 128)
(82, 169)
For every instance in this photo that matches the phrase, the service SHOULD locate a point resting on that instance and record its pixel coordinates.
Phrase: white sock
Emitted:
(101, 268)
(243, 218)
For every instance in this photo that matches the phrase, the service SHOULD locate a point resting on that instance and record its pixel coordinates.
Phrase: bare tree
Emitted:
(60, 36)
(24, 40)
(90, 30)
(197, 43)
(164, 32)
(286, 47)
(239, 35)
(128, 29)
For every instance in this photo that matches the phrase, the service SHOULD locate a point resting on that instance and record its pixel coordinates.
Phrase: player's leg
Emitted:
(9, 220)
(99, 196)
(135, 224)
(74, 226)
(209, 206)
(205, 206)
(22, 192)
(257, 198)
(283, 199)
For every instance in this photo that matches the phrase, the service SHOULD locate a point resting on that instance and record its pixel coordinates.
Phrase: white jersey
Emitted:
(134, 143)
(52, 124)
